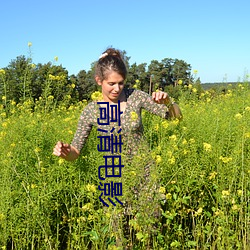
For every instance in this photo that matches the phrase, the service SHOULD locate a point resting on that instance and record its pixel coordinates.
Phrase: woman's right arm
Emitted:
(70, 152)
(66, 151)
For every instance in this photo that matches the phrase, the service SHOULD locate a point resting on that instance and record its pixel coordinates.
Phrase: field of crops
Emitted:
(202, 165)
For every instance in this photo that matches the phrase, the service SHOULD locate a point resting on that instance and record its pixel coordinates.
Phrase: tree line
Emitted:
(22, 79)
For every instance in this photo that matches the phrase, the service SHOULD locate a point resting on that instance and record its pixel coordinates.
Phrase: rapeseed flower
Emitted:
(235, 207)
(180, 82)
(56, 58)
(238, 116)
(225, 193)
(207, 147)
(225, 159)
(96, 96)
(2, 72)
(87, 207)
(198, 212)
(171, 160)
(133, 116)
(239, 192)
(29, 44)
(164, 124)
(158, 159)
(212, 175)
(173, 137)
(2, 217)
(156, 127)
(162, 190)
(168, 196)
(91, 188)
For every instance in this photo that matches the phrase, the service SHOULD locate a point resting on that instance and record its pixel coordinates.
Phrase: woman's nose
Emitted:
(116, 87)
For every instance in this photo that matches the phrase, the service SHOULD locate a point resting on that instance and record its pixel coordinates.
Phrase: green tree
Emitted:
(18, 79)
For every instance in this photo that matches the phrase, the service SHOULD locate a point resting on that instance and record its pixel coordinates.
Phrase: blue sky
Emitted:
(212, 36)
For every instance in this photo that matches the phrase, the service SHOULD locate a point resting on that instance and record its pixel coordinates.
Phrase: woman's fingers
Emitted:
(61, 149)
(160, 97)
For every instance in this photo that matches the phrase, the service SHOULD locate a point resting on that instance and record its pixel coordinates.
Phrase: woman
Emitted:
(110, 74)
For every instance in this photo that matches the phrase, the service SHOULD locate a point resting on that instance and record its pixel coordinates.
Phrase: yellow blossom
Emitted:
(247, 108)
(158, 159)
(13, 103)
(96, 96)
(175, 122)
(239, 192)
(190, 86)
(198, 212)
(225, 159)
(51, 77)
(156, 127)
(133, 173)
(212, 175)
(37, 149)
(56, 58)
(194, 90)
(50, 97)
(135, 86)
(173, 137)
(61, 161)
(29, 44)
(2, 72)
(137, 80)
(238, 116)
(162, 190)
(184, 141)
(180, 82)
(225, 193)
(235, 207)
(195, 71)
(207, 147)
(87, 207)
(3, 97)
(133, 116)
(191, 140)
(168, 196)
(4, 124)
(247, 135)
(33, 186)
(2, 217)
(218, 212)
(73, 85)
(164, 124)
(91, 188)
(171, 160)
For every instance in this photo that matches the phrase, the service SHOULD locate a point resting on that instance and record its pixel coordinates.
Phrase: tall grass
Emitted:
(202, 166)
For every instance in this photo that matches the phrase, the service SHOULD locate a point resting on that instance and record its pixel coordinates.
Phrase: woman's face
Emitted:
(112, 86)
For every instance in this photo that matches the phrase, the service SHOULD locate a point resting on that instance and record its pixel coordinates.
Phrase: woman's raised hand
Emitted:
(161, 97)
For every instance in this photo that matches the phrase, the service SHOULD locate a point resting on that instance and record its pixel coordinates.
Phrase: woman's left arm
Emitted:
(163, 98)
